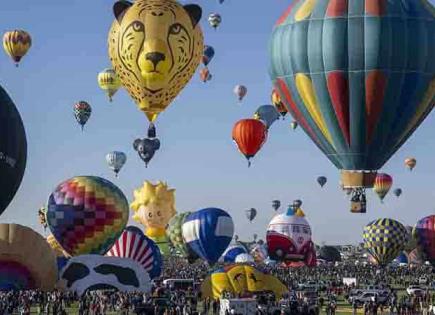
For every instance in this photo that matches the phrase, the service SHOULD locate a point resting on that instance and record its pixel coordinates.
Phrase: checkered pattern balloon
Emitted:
(135, 245)
(87, 214)
(384, 239)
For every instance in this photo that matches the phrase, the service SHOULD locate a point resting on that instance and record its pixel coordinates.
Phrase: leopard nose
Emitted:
(155, 57)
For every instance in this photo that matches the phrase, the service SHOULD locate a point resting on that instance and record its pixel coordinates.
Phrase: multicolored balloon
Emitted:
(424, 233)
(13, 150)
(155, 55)
(384, 239)
(410, 163)
(249, 136)
(207, 55)
(135, 245)
(208, 232)
(26, 260)
(205, 75)
(82, 112)
(383, 183)
(276, 101)
(267, 114)
(231, 253)
(214, 19)
(109, 82)
(16, 44)
(116, 161)
(240, 91)
(174, 232)
(87, 214)
(354, 85)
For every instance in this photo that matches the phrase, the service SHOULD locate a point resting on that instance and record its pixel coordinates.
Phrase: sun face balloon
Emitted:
(155, 48)
(86, 215)
(358, 81)
(154, 206)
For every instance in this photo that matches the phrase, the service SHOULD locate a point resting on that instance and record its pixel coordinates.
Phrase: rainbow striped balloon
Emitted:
(135, 245)
(86, 215)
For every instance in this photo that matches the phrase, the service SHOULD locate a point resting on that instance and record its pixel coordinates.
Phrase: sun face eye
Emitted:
(138, 26)
(175, 28)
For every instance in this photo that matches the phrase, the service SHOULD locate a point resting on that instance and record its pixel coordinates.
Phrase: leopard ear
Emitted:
(120, 8)
(195, 13)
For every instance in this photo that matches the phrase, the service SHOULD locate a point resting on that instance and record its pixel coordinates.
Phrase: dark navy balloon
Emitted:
(13, 150)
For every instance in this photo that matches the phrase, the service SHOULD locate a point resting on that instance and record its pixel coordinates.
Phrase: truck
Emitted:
(240, 307)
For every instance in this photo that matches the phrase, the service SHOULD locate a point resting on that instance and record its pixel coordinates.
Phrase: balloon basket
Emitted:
(358, 179)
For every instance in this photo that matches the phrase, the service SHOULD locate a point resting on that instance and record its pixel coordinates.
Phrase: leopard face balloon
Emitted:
(155, 47)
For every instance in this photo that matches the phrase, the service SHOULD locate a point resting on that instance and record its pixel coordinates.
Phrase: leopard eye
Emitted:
(138, 26)
(175, 28)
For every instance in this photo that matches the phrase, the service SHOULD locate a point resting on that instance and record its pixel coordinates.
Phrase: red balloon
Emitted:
(249, 135)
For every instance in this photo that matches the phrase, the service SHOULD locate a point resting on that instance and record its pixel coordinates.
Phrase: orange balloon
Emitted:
(249, 135)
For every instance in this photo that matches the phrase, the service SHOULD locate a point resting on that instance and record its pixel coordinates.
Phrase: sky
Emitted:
(197, 156)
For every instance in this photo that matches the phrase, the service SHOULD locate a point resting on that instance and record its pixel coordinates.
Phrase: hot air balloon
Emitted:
(384, 239)
(251, 214)
(116, 161)
(208, 232)
(383, 183)
(268, 114)
(16, 44)
(26, 260)
(205, 75)
(135, 245)
(174, 231)
(240, 91)
(161, 54)
(214, 19)
(356, 87)
(221, 1)
(289, 238)
(276, 204)
(82, 112)
(297, 204)
(240, 279)
(259, 252)
(397, 192)
(87, 214)
(231, 253)
(424, 233)
(410, 163)
(153, 207)
(294, 125)
(147, 147)
(207, 55)
(249, 135)
(412, 241)
(329, 253)
(13, 150)
(322, 180)
(276, 101)
(109, 82)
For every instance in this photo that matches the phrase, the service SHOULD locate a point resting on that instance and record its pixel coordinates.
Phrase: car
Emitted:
(415, 290)
(368, 296)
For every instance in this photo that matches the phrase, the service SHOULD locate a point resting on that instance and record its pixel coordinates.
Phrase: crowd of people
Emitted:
(172, 301)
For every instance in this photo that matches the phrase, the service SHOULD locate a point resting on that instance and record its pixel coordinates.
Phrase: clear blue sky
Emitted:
(197, 156)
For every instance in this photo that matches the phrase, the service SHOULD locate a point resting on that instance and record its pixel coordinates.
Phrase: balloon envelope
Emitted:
(384, 239)
(13, 150)
(208, 232)
(346, 74)
(424, 232)
(268, 114)
(87, 214)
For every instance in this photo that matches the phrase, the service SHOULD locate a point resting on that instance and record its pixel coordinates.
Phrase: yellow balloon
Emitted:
(109, 82)
(155, 48)
(16, 44)
(240, 279)
(154, 206)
